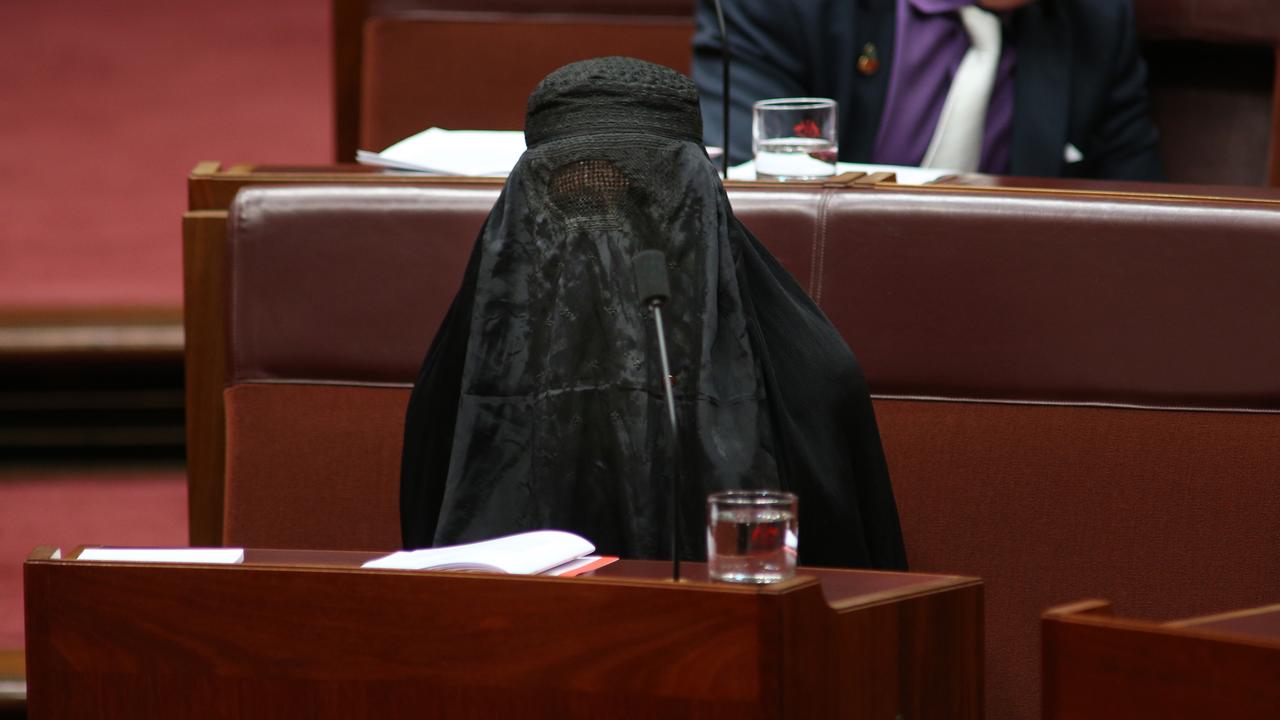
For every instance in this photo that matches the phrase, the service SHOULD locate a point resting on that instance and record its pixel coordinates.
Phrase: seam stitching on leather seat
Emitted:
(1077, 404)
(819, 248)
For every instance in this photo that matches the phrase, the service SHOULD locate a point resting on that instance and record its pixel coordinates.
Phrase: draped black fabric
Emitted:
(540, 404)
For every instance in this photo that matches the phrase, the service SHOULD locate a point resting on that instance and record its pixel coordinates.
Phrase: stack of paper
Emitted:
(452, 152)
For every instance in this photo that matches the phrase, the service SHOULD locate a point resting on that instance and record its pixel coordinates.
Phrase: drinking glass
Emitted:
(794, 138)
(751, 536)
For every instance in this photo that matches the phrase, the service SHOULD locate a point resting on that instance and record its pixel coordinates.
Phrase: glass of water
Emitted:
(794, 138)
(751, 536)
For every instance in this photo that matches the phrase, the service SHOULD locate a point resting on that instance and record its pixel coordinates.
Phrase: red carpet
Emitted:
(93, 506)
(106, 108)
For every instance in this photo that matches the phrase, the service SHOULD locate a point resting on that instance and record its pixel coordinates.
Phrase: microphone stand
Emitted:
(651, 282)
(656, 306)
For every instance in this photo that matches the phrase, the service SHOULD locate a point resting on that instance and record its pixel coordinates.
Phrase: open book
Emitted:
(542, 552)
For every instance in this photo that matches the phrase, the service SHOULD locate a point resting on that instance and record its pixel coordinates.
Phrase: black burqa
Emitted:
(539, 404)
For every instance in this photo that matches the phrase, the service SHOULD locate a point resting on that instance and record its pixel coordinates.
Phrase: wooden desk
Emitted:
(1098, 666)
(310, 634)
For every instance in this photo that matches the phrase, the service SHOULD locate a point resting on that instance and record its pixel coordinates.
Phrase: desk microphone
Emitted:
(724, 95)
(651, 283)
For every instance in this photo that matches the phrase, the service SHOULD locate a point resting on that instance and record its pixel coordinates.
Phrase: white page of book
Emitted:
(523, 554)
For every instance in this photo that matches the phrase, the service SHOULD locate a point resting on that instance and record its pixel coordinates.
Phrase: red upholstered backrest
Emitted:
(455, 70)
(313, 465)
(1077, 394)
(1169, 513)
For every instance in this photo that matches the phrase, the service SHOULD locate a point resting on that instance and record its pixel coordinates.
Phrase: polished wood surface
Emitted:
(1099, 666)
(317, 637)
(1263, 622)
(89, 332)
(13, 681)
(212, 187)
(204, 233)
(1103, 189)
(347, 36)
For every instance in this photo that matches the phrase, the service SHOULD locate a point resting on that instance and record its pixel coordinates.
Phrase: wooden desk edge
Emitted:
(1097, 613)
(928, 583)
(212, 171)
(938, 584)
(13, 679)
(1219, 617)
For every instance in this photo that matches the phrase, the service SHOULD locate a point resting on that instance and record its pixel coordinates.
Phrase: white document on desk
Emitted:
(452, 152)
(526, 553)
(493, 153)
(905, 175)
(214, 556)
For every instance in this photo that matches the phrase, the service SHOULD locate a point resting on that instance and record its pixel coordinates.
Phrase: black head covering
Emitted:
(539, 403)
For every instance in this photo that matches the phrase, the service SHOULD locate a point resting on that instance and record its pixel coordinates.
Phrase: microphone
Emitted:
(724, 95)
(650, 268)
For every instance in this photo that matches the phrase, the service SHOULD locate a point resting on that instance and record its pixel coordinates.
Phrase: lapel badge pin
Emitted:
(868, 60)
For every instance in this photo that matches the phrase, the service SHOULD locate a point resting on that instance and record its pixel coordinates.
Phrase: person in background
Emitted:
(1008, 87)
(539, 404)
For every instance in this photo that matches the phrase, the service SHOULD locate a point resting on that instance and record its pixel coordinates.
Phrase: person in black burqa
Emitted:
(539, 404)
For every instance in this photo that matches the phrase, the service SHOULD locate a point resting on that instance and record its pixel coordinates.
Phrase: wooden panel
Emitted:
(204, 316)
(1098, 667)
(13, 683)
(209, 187)
(107, 640)
(346, 28)
(91, 332)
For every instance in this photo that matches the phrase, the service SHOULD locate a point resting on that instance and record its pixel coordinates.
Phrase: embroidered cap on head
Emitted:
(613, 94)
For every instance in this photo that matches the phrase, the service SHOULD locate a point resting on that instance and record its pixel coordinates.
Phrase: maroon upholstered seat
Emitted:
(1077, 394)
(405, 65)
